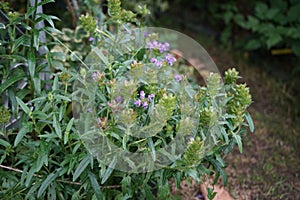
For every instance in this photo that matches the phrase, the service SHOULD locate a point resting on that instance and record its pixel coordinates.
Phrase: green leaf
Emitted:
(152, 148)
(4, 143)
(32, 190)
(2, 26)
(36, 39)
(273, 40)
(296, 47)
(101, 56)
(26, 128)
(55, 84)
(225, 135)
(22, 40)
(51, 30)
(67, 132)
(30, 11)
(249, 121)
(109, 170)
(57, 127)
(238, 140)
(95, 185)
(61, 97)
(81, 167)
(48, 18)
(293, 13)
(13, 79)
(24, 107)
(37, 85)
(253, 44)
(50, 178)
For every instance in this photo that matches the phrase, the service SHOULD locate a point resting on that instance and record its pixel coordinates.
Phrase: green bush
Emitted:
(49, 154)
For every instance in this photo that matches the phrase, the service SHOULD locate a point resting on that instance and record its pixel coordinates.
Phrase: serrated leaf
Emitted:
(109, 170)
(26, 128)
(81, 167)
(95, 185)
(13, 79)
(57, 127)
(50, 178)
(24, 107)
(249, 121)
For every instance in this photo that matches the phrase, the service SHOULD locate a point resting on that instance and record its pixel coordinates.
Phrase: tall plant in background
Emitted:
(45, 157)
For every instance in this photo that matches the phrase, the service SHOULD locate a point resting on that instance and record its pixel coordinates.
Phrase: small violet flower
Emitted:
(178, 77)
(154, 44)
(145, 105)
(150, 97)
(89, 110)
(142, 94)
(153, 60)
(91, 39)
(170, 59)
(158, 63)
(97, 76)
(137, 103)
(119, 99)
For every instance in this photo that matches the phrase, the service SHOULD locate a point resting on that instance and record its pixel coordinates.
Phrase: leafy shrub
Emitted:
(47, 156)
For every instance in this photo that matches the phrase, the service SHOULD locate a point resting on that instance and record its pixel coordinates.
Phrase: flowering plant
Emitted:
(136, 107)
(138, 114)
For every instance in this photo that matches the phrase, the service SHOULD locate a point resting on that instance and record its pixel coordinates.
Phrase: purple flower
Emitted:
(100, 107)
(91, 39)
(154, 44)
(142, 94)
(150, 97)
(119, 99)
(159, 64)
(89, 110)
(170, 59)
(145, 104)
(164, 47)
(97, 76)
(153, 60)
(146, 34)
(137, 103)
(178, 77)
